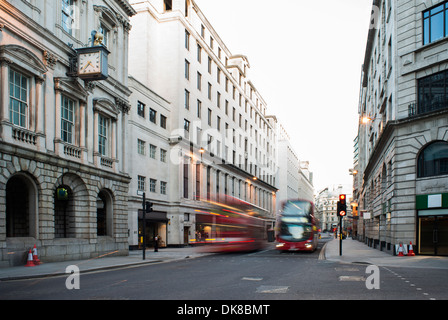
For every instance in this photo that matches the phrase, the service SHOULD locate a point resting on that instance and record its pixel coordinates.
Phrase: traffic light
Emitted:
(342, 206)
(149, 206)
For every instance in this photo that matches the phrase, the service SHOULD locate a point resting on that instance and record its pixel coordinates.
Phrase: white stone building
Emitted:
(221, 141)
(403, 138)
(294, 177)
(63, 180)
(148, 163)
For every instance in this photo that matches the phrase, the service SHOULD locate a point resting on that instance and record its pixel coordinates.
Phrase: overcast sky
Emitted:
(306, 59)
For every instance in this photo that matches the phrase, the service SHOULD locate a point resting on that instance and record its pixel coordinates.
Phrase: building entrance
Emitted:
(433, 235)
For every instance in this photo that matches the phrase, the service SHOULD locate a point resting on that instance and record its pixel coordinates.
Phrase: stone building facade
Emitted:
(403, 132)
(63, 180)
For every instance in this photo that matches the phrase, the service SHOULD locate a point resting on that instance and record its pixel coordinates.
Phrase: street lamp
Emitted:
(201, 151)
(366, 120)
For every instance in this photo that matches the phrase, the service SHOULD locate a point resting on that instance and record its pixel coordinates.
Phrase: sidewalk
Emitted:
(135, 258)
(354, 251)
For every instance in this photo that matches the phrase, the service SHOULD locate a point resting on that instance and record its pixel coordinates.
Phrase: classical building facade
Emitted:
(221, 142)
(63, 180)
(403, 133)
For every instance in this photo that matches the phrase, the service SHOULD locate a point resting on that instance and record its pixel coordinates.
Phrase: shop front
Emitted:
(155, 225)
(432, 224)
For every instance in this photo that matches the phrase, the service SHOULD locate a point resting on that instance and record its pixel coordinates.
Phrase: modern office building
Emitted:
(221, 142)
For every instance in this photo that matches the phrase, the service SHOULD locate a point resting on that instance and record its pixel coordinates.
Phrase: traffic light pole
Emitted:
(144, 226)
(340, 235)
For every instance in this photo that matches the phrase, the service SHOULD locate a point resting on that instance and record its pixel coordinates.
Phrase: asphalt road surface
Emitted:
(263, 275)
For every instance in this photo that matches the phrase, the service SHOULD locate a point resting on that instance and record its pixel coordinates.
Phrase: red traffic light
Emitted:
(342, 206)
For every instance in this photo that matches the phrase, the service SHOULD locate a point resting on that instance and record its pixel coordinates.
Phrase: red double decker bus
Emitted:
(296, 228)
(231, 226)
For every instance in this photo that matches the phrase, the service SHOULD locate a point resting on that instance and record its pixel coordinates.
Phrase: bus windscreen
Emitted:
(297, 208)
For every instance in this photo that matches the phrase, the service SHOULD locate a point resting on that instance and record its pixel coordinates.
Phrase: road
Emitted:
(263, 275)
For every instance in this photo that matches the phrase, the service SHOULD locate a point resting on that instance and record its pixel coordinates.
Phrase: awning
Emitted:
(155, 216)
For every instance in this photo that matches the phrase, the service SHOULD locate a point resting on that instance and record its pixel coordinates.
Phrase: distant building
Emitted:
(326, 208)
(294, 178)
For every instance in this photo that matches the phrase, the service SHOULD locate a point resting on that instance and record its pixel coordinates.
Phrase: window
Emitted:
(187, 100)
(141, 183)
(18, 98)
(152, 115)
(105, 32)
(141, 109)
(67, 16)
(199, 109)
(435, 24)
(432, 92)
(198, 181)
(433, 160)
(168, 4)
(141, 146)
(152, 185)
(199, 53)
(163, 121)
(199, 81)
(102, 134)
(163, 155)
(186, 167)
(187, 40)
(186, 129)
(67, 119)
(187, 70)
(152, 151)
(163, 185)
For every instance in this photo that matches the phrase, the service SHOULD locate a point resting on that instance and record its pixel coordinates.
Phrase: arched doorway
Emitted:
(104, 211)
(64, 213)
(21, 207)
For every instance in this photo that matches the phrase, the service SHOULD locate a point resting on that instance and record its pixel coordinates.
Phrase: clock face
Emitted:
(89, 63)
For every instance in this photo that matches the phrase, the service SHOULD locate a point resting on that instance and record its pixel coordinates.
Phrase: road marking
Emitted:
(272, 289)
(251, 279)
(352, 278)
(346, 269)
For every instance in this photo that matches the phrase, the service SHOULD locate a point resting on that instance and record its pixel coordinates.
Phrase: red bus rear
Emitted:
(296, 228)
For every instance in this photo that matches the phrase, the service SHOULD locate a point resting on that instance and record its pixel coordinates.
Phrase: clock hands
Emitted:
(89, 63)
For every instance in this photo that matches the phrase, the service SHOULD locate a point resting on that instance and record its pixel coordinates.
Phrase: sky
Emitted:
(306, 58)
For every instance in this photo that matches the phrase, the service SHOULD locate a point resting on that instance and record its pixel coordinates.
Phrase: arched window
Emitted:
(433, 160)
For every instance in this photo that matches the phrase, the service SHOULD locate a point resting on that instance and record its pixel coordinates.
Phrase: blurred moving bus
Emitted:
(232, 226)
(296, 228)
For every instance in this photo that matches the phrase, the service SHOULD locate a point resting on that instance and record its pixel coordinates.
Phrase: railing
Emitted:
(72, 151)
(436, 103)
(24, 135)
(107, 162)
